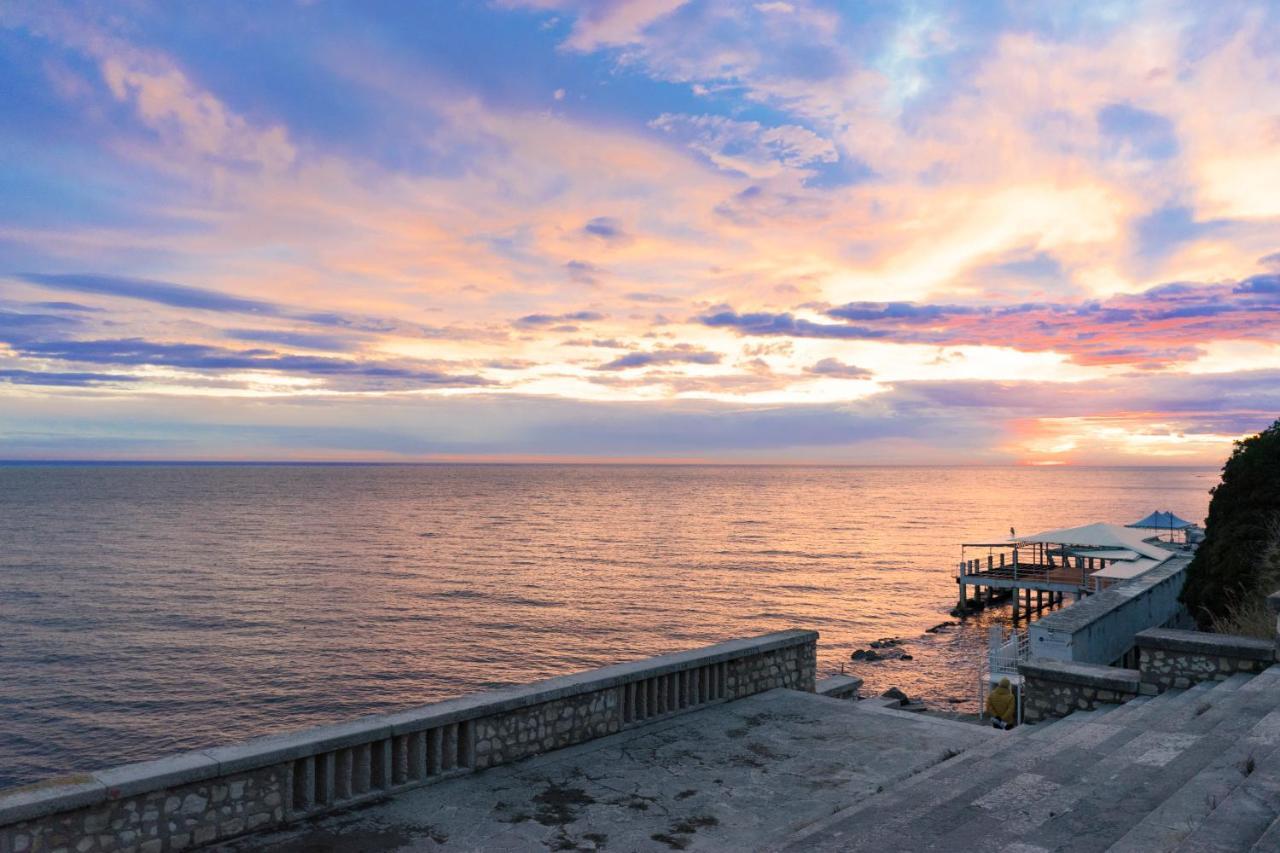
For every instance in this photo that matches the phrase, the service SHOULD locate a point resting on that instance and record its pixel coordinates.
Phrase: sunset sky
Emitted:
(779, 231)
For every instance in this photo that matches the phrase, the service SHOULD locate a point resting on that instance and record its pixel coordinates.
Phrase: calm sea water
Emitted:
(147, 609)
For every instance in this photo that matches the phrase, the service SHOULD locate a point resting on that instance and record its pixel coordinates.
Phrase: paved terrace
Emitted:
(740, 776)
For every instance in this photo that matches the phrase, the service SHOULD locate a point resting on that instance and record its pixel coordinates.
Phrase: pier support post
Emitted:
(1017, 600)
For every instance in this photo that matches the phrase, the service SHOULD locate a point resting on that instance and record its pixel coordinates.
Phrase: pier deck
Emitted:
(739, 776)
(1033, 577)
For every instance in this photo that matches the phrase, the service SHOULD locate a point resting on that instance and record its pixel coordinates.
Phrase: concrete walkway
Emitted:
(745, 775)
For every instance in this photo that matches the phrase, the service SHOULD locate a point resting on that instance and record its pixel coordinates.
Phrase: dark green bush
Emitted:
(1236, 564)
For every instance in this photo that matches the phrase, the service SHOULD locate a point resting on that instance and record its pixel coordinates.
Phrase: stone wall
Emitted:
(1054, 688)
(197, 798)
(1178, 659)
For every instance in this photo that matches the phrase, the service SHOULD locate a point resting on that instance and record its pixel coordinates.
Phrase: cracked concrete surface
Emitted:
(738, 776)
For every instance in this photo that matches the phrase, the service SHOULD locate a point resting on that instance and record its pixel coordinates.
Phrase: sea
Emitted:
(146, 609)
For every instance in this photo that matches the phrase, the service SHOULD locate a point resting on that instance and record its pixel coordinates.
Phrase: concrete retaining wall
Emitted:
(1169, 658)
(201, 797)
(1100, 629)
(1054, 688)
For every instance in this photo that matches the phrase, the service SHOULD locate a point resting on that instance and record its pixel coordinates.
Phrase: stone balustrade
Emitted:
(206, 796)
(1179, 659)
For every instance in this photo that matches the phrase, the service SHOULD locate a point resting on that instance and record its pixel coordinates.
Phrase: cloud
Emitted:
(539, 320)
(189, 117)
(1158, 327)
(682, 354)
(838, 369)
(584, 272)
(135, 352)
(51, 378)
(186, 297)
(299, 340)
(748, 147)
(658, 298)
(605, 23)
(607, 229)
(766, 323)
(160, 292)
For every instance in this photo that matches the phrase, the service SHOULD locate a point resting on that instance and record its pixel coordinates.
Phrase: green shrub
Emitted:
(1239, 561)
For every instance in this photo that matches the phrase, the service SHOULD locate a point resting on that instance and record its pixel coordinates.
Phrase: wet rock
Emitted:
(936, 628)
(906, 657)
(860, 654)
(895, 693)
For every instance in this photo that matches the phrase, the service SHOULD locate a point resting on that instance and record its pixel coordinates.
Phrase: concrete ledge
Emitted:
(183, 768)
(1083, 674)
(839, 686)
(272, 749)
(56, 795)
(1196, 642)
(566, 686)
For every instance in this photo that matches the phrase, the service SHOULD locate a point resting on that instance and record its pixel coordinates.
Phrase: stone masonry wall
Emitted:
(177, 818)
(542, 728)
(1168, 669)
(794, 667)
(194, 799)
(1049, 699)
(1056, 688)
(1179, 659)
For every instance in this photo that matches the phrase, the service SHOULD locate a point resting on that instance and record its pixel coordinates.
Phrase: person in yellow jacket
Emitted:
(1002, 706)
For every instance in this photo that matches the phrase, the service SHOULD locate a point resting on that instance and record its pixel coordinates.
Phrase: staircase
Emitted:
(1190, 771)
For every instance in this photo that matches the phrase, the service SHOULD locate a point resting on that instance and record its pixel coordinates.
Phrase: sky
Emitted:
(534, 230)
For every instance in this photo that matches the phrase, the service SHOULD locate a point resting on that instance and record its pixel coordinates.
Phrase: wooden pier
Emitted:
(1035, 576)
(1040, 571)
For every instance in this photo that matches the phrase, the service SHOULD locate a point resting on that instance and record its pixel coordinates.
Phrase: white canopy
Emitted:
(1100, 535)
(1125, 570)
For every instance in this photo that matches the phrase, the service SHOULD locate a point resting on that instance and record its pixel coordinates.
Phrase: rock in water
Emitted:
(895, 693)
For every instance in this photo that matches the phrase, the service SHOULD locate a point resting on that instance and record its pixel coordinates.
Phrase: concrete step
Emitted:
(1153, 774)
(919, 794)
(1091, 806)
(1168, 714)
(920, 811)
(1245, 815)
(1267, 680)
(1120, 712)
(1183, 765)
(1210, 709)
(1270, 840)
(1185, 810)
(1156, 702)
(1169, 703)
(1087, 784)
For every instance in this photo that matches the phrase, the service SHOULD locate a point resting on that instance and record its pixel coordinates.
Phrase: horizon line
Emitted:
(667, 463)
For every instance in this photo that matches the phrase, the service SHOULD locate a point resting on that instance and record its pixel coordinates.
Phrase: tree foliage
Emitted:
(1236, 563)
